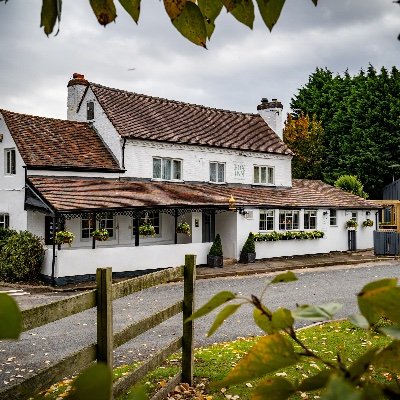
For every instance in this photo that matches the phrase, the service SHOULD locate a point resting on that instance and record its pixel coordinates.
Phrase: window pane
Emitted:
(256, 175)
(86, 228)
(332, 217)
(107, 222)
(176, 169)
(270, 175)
(4, 221)
(221, 172)
(90, 110)
(13, 161)
(157, 168)
(166, 173)
(282, 224)
(295, 224)
(263, 178)
(213, 172)
(263, 221)
(270, 220)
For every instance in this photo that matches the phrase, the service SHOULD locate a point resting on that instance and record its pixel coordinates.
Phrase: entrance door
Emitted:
(208, 226)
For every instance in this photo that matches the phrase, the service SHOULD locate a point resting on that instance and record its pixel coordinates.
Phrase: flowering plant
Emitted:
(147, 229)
(368, 222)
(100, 234)
(64, 237)
(183, 227)
(351, 224)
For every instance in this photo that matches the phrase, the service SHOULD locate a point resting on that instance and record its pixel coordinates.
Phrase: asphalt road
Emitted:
(43, 346)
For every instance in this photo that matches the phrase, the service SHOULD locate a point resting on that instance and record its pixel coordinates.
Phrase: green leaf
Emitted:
(361, 365)
(51, 12)
(190, 23)
(273, 389)
(282, 319)
(315, 382)
(388, 282)
(222, 316)
(316, 313)
(217, 300)
(392, 331)
(339, 388)
(10, 318)
(315, 2)
(270, 11)
(137, 393)
(242, 10)
(269, 354)
(389, 357)
(94, 382)
(174, 8)
(132, 7)
(359, 320)
(263, 321)
(288, 276)
(210, 10)
(104, 10)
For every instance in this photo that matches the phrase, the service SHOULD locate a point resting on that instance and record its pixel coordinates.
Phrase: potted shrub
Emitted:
(368, 222)
(183, 227)
(215, 256)
(248, 253)
(100, 234)
(351, 224)
(147, 229)
(64, 237)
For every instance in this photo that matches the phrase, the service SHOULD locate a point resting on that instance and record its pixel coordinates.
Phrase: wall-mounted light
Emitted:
(367, 212)
(232, 204)
(243, 212)
(325, 213)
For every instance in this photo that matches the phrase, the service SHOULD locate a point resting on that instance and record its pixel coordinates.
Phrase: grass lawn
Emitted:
(214, 362)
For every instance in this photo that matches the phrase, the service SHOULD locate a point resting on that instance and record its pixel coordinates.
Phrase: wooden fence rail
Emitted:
(107, 340)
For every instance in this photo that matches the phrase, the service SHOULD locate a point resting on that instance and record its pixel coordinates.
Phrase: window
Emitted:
(354, 215)
(288, 220)
(266, 220)
(9, 159)
(86, 227)
(310, 219)
(332, 218)
(167, 169)
(217, 172)
(151, 217)
(107, 222)
(263, 175)
(4, 221)
(90, 110)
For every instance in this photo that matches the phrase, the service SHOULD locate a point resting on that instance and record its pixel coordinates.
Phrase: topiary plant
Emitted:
(21, 257)
(216, 248)
(249, 245)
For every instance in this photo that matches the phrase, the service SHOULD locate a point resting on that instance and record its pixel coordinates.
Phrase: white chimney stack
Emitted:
(76, 89)
(271, 112)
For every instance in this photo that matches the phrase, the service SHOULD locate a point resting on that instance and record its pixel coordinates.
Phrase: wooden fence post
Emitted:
(189, 276)
(104, 316)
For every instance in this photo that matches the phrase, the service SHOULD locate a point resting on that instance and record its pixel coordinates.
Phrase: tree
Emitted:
(304, 136)
(351, 184)
(194, 19)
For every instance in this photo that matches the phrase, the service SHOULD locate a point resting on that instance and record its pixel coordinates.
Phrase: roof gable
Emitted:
(54, 143)
(144, 117)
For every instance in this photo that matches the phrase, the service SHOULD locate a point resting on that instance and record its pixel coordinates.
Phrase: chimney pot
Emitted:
(264, 100)
(274, 99)
(76, 75)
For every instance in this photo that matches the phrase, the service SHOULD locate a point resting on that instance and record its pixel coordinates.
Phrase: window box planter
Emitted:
(100, 234)
(215, 261)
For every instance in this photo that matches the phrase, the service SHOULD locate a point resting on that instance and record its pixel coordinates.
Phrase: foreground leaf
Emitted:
(263, 321)
(339, 388)
(10, 318)
(210, 10)
(104, 10)
(392, 331)
(174, 8)
(137, 393)
(243, 11)
(51, 12)
(217, 300)
(132, 7)
(273, 389)
(222, 316)
(316, 313)
(288, 276)
(361, 365)
(282, 319)
(389, 357)
(359, 320)
(269, 354)
(316, 382)
(190, 23)
(270, 11)
(94, 382)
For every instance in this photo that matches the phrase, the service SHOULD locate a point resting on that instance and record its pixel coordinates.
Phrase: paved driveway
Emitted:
(45, 345)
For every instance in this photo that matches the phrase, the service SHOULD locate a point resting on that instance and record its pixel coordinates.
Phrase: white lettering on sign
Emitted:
(239, 171)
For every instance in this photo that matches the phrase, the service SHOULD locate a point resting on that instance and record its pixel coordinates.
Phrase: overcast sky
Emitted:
(240, 67)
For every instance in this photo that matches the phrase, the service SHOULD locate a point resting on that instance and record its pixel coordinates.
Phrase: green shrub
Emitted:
(4, 235)
(249, 246)
(21, 257)
(351, 184)
(216, 248)
(289, 235)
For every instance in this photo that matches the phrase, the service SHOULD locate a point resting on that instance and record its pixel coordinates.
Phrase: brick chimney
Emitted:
(76, 88)
(271, 112)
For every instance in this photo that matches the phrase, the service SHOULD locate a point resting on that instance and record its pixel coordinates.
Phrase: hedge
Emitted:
(289, 235)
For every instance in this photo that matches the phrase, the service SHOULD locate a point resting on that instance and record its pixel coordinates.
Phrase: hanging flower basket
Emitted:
(351, 224)
(64, 237)
(147, 230)
(368, 222)
(100, 234)
(184, 228)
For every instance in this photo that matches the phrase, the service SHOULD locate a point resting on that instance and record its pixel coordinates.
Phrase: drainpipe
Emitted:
(176, 225)
(123, 153)
(94, 228)
(53, 261)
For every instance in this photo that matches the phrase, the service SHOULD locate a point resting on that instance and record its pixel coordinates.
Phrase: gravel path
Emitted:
(43, 346)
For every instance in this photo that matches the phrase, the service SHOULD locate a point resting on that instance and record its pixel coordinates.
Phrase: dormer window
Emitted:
(217, 172)
(263, 175)
(9, 160)
(167, 169)
(90, 110)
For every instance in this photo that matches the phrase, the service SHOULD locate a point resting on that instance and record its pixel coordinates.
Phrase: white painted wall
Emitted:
(74, 174)
(70, 262)
(35, 223)
(196, 160)
(226, 224)
(12, 192)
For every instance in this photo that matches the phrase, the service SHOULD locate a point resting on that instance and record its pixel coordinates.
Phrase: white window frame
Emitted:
(89, 228)
(10, 167)
(310, 219)
(4, 220)
(332, 217)
(150, 217)
(269, 175)
(354, 215)
(217, 166)
(172, 163)
(289, 223)
(107, 221)
(267, 217)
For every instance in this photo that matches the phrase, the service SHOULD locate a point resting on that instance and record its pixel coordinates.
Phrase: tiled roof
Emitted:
(151, 118)
(90, 194)
(48, 142)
